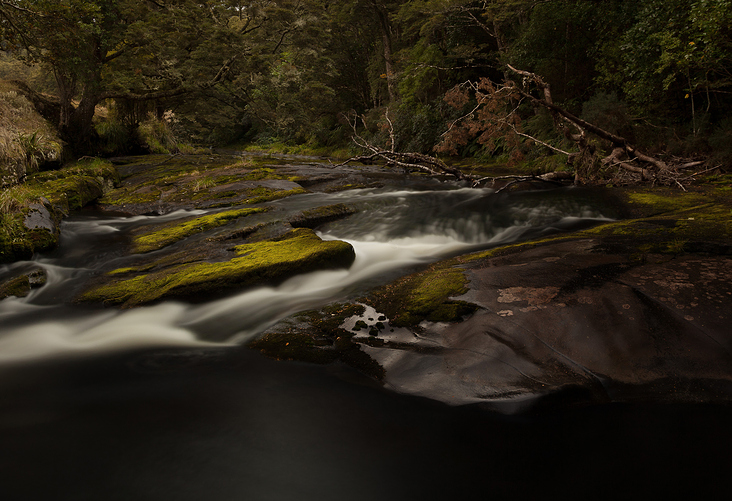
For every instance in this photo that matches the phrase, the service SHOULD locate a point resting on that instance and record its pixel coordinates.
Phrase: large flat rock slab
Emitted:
(564, 316)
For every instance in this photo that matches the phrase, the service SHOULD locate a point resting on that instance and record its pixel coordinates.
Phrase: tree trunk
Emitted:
(78, 131)
(386, 38)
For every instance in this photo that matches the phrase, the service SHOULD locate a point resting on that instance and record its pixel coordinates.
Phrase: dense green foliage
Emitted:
(220, 71)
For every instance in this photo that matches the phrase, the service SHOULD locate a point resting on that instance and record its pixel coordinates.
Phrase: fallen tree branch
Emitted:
(551, 177)
(432, 165)
(409, 161)
(649, 167)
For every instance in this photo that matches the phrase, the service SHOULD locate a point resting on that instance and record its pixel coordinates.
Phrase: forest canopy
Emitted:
(657, 74)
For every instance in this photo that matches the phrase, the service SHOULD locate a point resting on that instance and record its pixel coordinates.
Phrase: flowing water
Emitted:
(161, 402)
(395, 230)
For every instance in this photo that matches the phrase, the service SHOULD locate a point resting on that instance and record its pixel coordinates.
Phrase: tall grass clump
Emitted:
(158, 135)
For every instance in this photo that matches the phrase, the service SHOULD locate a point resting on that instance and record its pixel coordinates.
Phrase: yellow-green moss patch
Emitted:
(660, 202)
(173, 232)
(424, 296)
(66, 189)
(299, 251)
(261, 194)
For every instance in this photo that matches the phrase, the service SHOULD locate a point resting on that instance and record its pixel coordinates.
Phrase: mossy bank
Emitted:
(31, 212)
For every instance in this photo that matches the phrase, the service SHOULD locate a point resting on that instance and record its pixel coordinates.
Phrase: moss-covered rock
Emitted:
(17, 286)
(21, 285)
(166, 234)
(424, 296)
(76, 185)
(317, 337)
(31, 212)
(163, 183)
(299, 251)
(661, 221)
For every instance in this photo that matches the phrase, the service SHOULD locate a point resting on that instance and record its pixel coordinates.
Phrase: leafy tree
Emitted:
(676, 50)
(287, 90)
(133, 50)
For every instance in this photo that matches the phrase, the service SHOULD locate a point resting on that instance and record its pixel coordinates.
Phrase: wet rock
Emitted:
(39, 217)
(619, 312)
(541, 328)
(37, 278)
(321, 215)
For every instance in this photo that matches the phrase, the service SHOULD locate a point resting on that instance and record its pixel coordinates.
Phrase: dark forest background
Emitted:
(123, 76)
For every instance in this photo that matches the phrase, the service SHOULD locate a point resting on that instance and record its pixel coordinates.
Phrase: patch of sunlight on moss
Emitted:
(174, 232)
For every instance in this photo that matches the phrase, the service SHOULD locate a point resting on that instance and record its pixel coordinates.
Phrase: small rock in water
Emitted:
(37, 278)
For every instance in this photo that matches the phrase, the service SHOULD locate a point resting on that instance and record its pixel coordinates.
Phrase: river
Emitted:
(164, 402)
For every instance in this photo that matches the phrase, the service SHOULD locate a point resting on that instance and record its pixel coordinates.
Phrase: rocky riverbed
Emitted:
(635, 309)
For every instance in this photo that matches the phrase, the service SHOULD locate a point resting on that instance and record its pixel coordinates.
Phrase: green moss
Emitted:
(299, 251)
(74, 192)
(344, 187)
(193, 180)
(12, 233)
(130, 196)
(511, 249)
(281, 148)
(424, 296)
(67, 189)
(76, 185)
(131, 269)
(669, 223)
(262, 194)
(680, 222)
(262, 173)
(173, 232)
(721, 182)
(42, 239)
(658, 202)
(149, 177)
(18, 287)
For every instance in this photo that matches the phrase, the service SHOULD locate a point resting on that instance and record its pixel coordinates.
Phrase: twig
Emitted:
(701, 172)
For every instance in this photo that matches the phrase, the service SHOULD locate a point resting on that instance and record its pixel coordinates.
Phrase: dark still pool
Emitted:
(231, 425)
